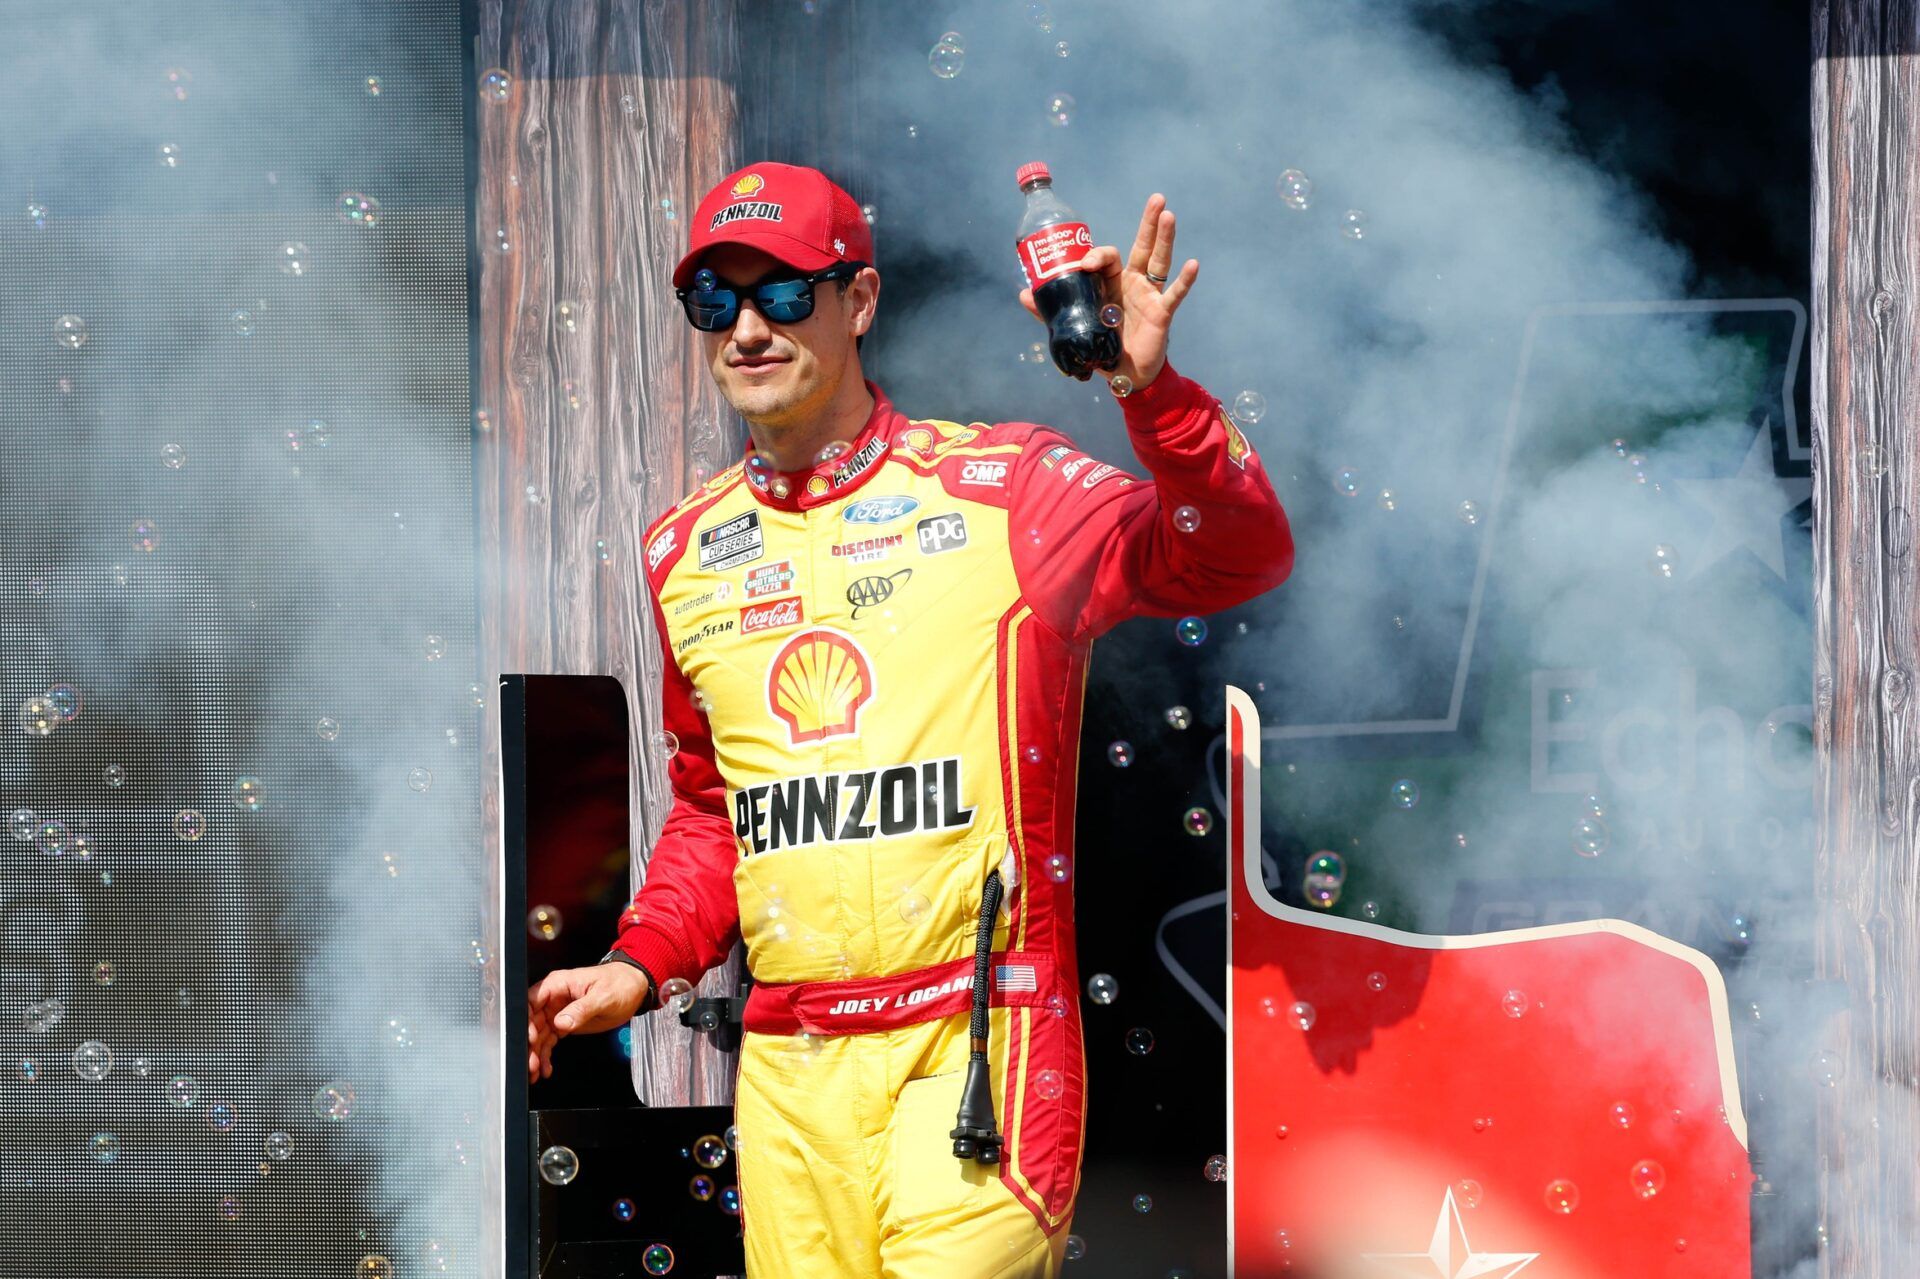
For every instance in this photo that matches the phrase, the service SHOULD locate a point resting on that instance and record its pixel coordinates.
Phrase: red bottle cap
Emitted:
(1028, 172)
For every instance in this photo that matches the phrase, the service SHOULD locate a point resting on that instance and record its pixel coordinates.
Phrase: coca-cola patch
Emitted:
(1052, 250)
(773, 615)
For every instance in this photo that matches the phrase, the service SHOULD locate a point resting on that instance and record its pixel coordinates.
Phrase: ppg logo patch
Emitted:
(942, 533)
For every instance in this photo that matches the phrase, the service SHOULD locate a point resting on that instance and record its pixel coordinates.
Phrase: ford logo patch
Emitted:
(879, 510)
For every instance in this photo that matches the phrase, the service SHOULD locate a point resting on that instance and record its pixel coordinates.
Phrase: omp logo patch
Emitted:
(993, 474)
(661, 547)
(817, 683)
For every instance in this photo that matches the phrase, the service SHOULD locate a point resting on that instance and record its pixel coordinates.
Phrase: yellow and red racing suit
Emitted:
(874, 670)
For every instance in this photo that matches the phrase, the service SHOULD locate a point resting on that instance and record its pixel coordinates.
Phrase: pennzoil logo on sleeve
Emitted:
(852, 807)
(817, 683)
(729, 545)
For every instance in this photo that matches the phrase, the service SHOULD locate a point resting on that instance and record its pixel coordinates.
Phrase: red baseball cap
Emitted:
(799, 215)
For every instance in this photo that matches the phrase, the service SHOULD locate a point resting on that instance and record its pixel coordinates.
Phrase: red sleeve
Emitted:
(686, 918)
(1093, 546)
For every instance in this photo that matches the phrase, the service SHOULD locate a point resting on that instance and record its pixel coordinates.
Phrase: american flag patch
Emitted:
(1015, 977)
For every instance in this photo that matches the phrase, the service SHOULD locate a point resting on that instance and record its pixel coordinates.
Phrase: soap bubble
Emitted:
(1514, 1003)
(334, 1102)
(1216, 1169)
(1647, 1178)
(372, 86)
(1296, 189)
(1179, 717)
(676, 995)
(279, 1147)
(26, 1070)
(1302, 1014)
(1049, 1084)
(1469, 512)
(1620, 1115)
(913, 905)
(242, 322)
(1143, 1203)
(948, 56)
(172, 456)
(220, 1116)
(1111, 315)
(664, 744)
(1062, 49)
(1663, 561)
(104, 973)
(1076, 1248)
(544, 922)
(1059, 868)
(419, 779)
(658, 1258)
(1376, 982)
(1590, 837)
(1346, 481)
(701, 1187)
(1353, 224)
(495, 85)
(623, 1209)
(1120, 754)
(37, 213)
(292, 258)
(1191, 631)
(373, 1266)
(104, 1148)
(1139, 1041)
(1562, 1196)
(1060, 109)
(249, 794)
(1186, 519)
(92, 1060)
(328, 728)
(21, 823)
(559, 1165)
(1197, 821)
(1468, 1193)
(709, 1152)
(170, 155)
(357, 208)
(38, 718)
(1249, 407)
(182, 1092)
(1102, 988)
(435, 647)
(189, 824)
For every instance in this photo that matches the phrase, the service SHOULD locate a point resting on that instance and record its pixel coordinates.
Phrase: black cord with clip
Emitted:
(975, 1135)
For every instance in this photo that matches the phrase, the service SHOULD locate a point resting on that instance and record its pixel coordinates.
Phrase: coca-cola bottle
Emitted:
(1050, 241)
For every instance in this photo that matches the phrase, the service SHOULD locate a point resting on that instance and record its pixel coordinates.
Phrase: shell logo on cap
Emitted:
(749, 185)
(817, 683)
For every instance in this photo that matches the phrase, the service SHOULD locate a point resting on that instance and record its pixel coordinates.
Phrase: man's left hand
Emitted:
(1147, 307)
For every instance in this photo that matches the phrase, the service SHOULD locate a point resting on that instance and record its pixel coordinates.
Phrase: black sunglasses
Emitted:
(712, 304)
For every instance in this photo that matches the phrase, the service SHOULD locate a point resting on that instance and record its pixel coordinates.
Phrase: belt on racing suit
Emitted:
(1016, 979)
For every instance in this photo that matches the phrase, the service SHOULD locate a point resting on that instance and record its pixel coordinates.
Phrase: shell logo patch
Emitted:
(919, 439)
(817, 683)
(746, 186)
(817, 486)
(1237, 446)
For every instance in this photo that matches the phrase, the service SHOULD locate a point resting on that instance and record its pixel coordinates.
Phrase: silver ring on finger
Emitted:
(1157, 279)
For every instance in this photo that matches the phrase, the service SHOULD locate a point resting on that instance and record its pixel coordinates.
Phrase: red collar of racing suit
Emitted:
(830, 481)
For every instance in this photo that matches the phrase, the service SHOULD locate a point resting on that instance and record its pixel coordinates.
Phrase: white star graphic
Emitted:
(1450, 1256)
(1746, 508)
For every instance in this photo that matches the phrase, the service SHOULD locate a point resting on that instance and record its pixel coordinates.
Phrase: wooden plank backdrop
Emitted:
(1866, 98)
(599, 411)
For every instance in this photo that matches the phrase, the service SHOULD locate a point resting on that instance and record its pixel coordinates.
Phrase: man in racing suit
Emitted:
(875, 656)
